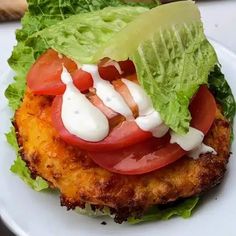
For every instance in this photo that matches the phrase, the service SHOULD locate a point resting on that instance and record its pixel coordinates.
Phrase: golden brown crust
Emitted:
(81, 181)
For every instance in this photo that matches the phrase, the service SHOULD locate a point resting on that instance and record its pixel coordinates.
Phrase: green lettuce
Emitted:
(172, 58)
(79, 36)
(183, 209)
(12, 140)
(43, 13)
(19, 166)
(223, 94)
(20, 61)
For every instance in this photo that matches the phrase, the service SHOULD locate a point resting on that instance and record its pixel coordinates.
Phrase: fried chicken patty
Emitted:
(81, 181)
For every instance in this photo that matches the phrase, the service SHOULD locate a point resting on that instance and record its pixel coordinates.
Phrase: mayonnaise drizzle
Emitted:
(201, 149)
(140, 97)
(84, 120)
(192, 142)
(188, 141)
(149, 119)
(79, 116)
(107, 93)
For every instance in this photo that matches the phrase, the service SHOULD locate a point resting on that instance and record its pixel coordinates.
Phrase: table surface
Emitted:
(219, 22)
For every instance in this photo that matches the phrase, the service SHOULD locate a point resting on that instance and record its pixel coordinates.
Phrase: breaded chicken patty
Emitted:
(81, 181)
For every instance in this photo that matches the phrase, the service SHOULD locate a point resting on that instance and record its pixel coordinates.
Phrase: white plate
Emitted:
(35, 214)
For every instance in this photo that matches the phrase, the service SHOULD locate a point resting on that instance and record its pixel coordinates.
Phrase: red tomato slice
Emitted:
(44, 77)
(113, 117)
(127, 67)
(125, 134)
(140, 158)
(82, 80)
(203, 109)
(110, 72)
(122, 89)
(148, 156)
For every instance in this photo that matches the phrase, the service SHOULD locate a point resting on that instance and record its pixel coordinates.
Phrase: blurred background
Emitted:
(12, 10)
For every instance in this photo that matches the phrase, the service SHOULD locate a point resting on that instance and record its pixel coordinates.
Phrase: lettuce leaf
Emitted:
(172, 58)
(20, 61)
(19, 166)
(79, 36)
(183, 209)
(11, 139)
(43, 13)
(224, 96)
(64, 8)
(223, 93)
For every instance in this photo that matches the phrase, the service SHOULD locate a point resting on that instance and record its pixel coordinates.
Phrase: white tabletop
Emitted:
(219, 18)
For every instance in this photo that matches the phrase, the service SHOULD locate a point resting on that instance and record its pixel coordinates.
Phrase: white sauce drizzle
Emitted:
(140, 97)
(201, 149)
(188, 141)
(149, 119)
(160, 131)
(106, 92)
(79, 116)
(192, 142)
(152, 123)
(86, 121)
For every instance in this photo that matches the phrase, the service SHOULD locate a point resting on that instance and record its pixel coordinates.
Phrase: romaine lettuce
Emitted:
(182, 208)
(222, 92)
(19, 166)
(79, 36)
(43, 13)
(172, 57)
(224, 96)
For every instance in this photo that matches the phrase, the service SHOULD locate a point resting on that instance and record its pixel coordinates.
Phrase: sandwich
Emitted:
(122, 107)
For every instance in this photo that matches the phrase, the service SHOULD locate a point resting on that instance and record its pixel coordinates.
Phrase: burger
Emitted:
(122, 107)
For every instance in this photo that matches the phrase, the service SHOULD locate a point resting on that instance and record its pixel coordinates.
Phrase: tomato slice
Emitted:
(44, 77)
(149, 155)
(113, 117)
(203, 109)
(82, 80)
(109, 71)
(121, 88)
(125, 134)
(140, 158)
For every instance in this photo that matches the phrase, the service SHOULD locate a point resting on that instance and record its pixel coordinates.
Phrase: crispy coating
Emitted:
(81, 181)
